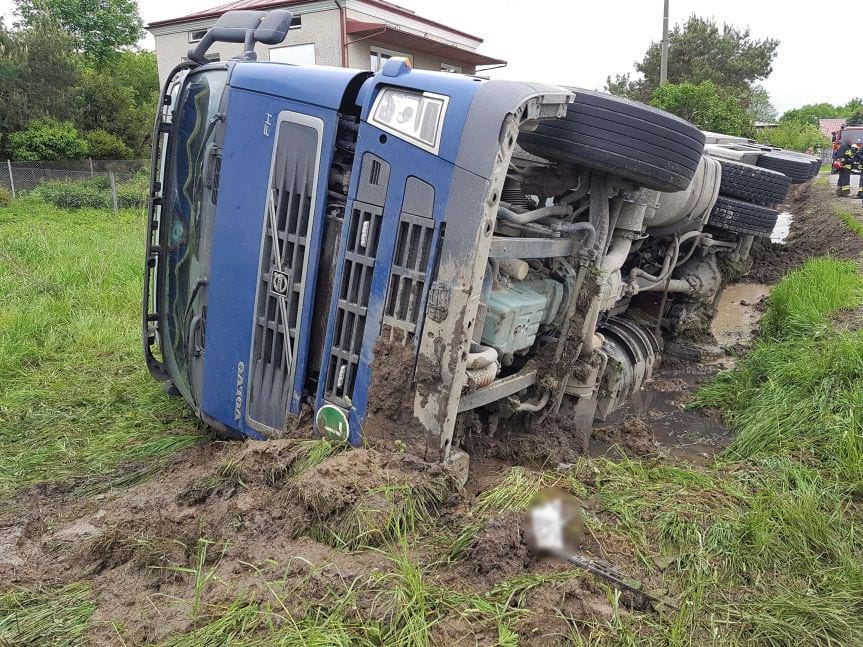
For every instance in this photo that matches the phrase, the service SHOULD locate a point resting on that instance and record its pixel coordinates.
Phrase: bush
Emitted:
(105, 146)
(5, 197)
(95, 193)
(130, 196)
(794, 135)
(75, 195)
(47, 139)
(705, 106)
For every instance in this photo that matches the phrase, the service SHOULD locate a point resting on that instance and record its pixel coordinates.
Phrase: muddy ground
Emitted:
(815, 231)
(279, 522)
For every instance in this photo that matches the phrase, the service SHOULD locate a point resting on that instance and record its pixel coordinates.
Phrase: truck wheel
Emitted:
(742, 217)
(753, 184)
(796, 167)
(648, 146)
(816, 168)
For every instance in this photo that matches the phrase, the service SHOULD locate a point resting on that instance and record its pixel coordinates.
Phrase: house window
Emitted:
(294, 54)
(378, 56)
(446, 67)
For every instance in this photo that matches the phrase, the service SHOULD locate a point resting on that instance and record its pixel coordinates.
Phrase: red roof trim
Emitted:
(381, 33)
(215, 12)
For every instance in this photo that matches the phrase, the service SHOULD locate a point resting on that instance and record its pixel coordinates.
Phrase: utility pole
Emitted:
(663, 60)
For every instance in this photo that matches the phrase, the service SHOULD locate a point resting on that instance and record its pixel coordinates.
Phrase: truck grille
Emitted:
(408, 276)
(284, 256)
(359, 261)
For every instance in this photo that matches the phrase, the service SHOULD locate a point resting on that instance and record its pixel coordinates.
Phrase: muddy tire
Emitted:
(753, 184)
(796, 167)
(653, 148)
(742, 217)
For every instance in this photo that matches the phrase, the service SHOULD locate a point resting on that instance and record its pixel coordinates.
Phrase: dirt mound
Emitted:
(498, 550)
(218, 524)
(552, 603)
(556, 440)
(816, 230)
(390, 423)
(633, 435)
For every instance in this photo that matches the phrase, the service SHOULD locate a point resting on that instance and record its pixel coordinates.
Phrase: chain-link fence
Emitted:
(114, 178)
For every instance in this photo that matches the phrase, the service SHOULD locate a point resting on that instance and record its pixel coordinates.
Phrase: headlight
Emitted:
(415, 116)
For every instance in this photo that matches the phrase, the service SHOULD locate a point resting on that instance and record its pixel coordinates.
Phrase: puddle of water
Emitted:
(661, 404)
(679, 433)
(736, 315)
(782, 227)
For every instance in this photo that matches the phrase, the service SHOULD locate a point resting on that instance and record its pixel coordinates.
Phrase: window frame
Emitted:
(294, 45)
(377, 50)
(192, 33)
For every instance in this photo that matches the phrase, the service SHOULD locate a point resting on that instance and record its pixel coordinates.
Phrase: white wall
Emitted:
(319, 27)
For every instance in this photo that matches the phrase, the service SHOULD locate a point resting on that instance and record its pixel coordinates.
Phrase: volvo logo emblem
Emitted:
(280, 283)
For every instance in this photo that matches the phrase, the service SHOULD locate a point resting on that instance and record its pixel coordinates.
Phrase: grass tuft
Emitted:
(39, 617)
(851, 222)
(384, 514)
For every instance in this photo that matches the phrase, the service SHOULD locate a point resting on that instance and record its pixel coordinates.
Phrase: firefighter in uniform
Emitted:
(845, 162)
(858, 168)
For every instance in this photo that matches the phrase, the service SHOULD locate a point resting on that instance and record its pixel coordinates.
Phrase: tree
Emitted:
(704, 106)
(760, 107)
(105, 146)
(39, 76)
(120, 97)
(99, 27)
(699, 50)
(812, 112)
(794, 135)
(47, 139)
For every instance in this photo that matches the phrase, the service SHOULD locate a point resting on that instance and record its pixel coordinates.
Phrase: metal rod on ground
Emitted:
(113, 191)
(11, 178)
(663, 59)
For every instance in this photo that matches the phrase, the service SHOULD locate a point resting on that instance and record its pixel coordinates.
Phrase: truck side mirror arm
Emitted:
(247, 27)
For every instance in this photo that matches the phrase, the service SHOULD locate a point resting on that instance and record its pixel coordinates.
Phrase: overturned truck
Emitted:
(517, 250)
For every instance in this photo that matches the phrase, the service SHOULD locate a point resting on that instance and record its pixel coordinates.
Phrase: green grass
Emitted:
(46, 617)
(75, 399)
(800, 391)
(851, 222)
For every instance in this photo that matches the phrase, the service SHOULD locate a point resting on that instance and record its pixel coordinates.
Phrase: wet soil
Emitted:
(240, 514)
(815, 230)
(391, 421)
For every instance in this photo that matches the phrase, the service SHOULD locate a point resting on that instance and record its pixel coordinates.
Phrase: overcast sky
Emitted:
(580, 43)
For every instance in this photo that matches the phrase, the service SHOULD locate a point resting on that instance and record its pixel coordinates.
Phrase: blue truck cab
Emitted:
(298, 214)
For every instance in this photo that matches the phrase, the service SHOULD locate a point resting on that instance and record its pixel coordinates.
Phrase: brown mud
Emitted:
(815, 231)
(275, 523)
(391, 421)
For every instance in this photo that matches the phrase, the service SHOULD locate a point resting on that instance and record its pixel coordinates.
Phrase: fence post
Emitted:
(11, 177)
(91, 167)
(113, 191)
